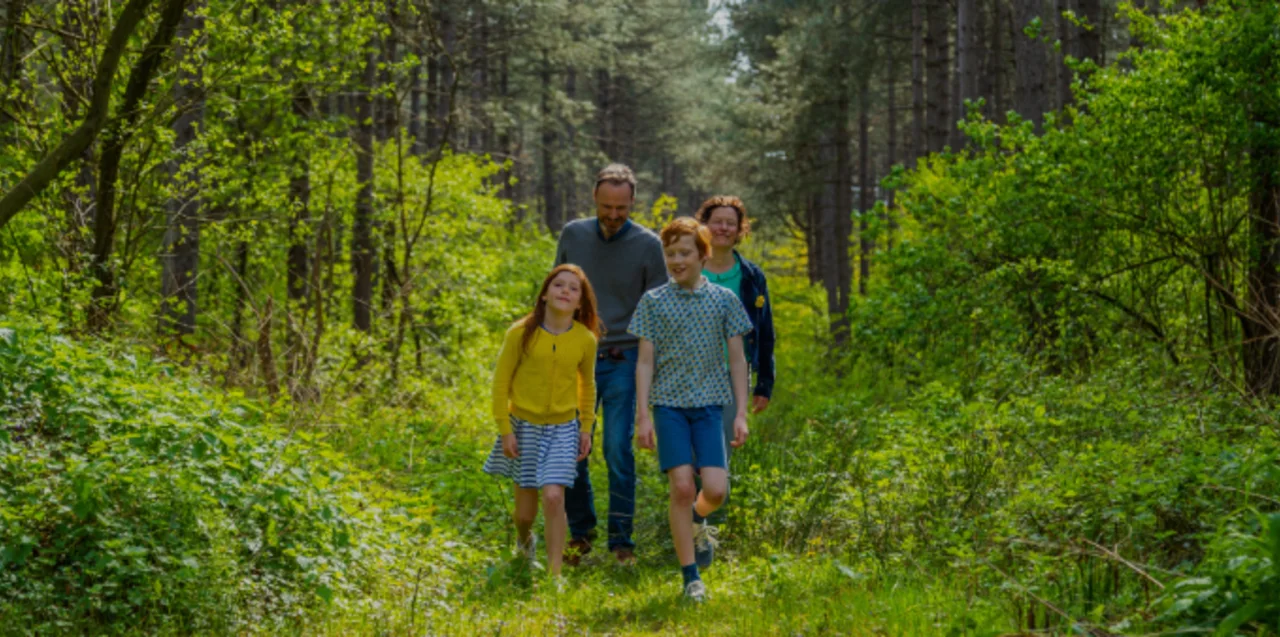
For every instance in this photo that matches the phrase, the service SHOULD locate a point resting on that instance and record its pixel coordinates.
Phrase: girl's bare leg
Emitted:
(556, 525)
(526, 512)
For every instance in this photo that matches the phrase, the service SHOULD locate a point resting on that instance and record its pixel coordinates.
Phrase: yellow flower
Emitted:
(760, 301)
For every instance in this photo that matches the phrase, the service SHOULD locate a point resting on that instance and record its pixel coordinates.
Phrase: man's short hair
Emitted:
(616, 174)
(681, 226)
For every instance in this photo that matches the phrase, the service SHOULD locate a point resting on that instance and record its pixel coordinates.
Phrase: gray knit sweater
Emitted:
(621, 270)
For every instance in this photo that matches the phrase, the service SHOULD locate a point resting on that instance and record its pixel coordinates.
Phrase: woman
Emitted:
(726, 218)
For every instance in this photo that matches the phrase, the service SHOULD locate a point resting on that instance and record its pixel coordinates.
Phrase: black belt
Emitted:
(613, 354)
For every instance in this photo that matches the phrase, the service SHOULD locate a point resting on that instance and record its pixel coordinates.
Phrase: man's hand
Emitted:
(739, 431)
(584, 444)
(759, 404)
(510, 448)
(644, 431)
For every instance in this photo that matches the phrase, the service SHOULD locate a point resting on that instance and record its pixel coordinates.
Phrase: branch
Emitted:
(74, 144)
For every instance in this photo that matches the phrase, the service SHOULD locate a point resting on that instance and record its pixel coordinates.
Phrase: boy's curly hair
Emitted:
(681, 226)
(726, 201)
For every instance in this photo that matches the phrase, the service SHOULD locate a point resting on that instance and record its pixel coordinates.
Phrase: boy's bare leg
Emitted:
(680, 511)
(556, 525)
(526, 511)
(715, 483)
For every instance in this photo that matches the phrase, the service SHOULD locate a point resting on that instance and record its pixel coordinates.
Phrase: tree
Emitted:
(180, 255)
(73, 146)
(1032, 60)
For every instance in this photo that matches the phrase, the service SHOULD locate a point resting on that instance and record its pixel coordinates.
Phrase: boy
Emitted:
(684, 327)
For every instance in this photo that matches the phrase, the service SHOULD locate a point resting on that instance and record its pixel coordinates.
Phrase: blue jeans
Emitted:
(616, 390)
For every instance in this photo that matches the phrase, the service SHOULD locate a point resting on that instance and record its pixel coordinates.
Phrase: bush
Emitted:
(131, 499)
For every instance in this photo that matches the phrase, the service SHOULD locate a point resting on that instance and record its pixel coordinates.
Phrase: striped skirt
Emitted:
(548, 455)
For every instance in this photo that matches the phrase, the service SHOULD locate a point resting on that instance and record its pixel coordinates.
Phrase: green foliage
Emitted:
(132, 499)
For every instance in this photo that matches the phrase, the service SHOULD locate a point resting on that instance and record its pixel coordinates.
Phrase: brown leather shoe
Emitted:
(625, 556)
(577, 548)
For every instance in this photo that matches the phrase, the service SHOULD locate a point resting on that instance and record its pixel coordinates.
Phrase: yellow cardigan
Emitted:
(549, 384)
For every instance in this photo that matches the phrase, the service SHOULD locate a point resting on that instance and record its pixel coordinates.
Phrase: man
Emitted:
(622, 260)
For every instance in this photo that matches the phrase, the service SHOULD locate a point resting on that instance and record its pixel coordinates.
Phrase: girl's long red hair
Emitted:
(585, 314)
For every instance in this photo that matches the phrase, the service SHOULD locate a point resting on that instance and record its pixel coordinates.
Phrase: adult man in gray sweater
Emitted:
(623, 260)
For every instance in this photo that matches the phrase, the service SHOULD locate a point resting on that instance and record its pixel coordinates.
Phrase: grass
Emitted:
(770, 595)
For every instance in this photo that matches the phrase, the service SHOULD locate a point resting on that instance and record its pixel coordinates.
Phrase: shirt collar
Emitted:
(617, 235)
(700, 288)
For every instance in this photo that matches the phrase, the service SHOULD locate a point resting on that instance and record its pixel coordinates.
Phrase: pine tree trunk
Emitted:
(571, 147)
(891, 150)
(865, 187)
(362, 257)
(604, 114)
(1067, 37)
(552, 214)
(967, 52)
(1031, 62)
(940, 121)
(842, 223)
(1090, 40)
(919, 142)
(996, 60)
(415, 105)
(180, 254)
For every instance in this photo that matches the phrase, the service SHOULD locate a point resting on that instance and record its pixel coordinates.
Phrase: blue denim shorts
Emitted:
(690, 435)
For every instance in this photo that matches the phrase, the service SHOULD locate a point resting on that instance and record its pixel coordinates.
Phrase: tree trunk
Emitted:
(415, 105)
(1260, 322)
(180, 254)
(445, 106)
(73, 146)
(940, 120)
(604, 117)
(865, 186)
(12, 50)
(481, 127)
(362, 258)
(1031, 62)
(299, 224)
(919, 142)
(967, 53)
(114, 139)
(1090, 40)
(571, 147)
(435, 90)
(1067, 38)
(842, 222)
(891, 151)
(815, 237)
(995, 62)
(551, 212)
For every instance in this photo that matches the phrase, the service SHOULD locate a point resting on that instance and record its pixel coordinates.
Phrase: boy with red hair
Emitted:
(684, 328)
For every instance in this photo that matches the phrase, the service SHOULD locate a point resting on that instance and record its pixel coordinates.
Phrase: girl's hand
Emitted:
(584, 444)
(510, 448)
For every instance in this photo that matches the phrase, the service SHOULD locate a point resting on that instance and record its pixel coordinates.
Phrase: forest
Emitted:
(257, 258)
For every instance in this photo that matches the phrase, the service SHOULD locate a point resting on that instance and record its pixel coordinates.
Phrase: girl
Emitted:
(544, 397)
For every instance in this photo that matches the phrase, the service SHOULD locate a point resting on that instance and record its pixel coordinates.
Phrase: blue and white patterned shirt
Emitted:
(689, 329)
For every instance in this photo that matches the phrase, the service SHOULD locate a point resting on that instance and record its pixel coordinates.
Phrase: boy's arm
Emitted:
(644, 380)
(740, 376)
